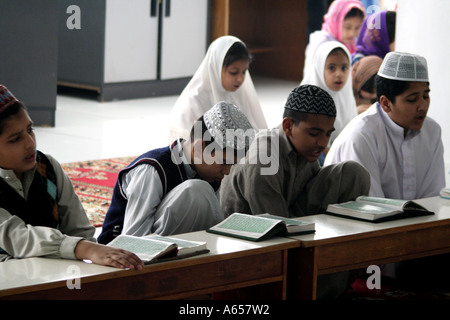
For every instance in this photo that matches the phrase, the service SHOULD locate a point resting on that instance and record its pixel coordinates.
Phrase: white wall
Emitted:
(422, 28)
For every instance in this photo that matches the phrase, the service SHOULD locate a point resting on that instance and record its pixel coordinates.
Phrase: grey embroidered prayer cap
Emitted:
(229, 126)
(311, 99)
(404, 66)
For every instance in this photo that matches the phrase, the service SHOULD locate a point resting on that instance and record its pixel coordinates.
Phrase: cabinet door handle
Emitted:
(153, 8)
(167, 11)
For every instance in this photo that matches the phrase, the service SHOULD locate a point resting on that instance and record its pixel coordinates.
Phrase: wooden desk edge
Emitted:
(160, 266)
(369, 234)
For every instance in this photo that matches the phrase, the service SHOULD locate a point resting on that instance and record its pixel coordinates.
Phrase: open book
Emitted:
(445, 193)
(378, 209)
(155, 248)
(260, 227)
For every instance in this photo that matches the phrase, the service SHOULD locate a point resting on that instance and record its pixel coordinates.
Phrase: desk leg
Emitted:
(302, 274)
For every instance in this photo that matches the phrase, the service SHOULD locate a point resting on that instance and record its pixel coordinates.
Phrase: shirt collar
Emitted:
(179, 152)
(394, 128)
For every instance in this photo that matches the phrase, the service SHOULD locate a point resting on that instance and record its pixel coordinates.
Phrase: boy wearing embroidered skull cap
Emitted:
(292, 183)
(394, 139)
(175, 189)
(40, 214)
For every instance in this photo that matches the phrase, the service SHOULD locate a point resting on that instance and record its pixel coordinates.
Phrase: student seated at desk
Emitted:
(174, 189)
(293, 184)
(40, 214)
(394, 139)
(399, 145)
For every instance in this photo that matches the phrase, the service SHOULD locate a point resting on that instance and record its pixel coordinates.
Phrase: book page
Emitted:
(245, 225)
(391, 203)
(363, 207)
(146, 249)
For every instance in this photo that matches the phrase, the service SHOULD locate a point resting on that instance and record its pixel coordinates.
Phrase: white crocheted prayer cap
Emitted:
(404, 66)
(229, 126)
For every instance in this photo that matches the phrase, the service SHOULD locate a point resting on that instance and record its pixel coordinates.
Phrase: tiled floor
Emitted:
(87, 129)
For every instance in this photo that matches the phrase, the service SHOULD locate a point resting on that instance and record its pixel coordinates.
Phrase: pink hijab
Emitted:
(334, 19)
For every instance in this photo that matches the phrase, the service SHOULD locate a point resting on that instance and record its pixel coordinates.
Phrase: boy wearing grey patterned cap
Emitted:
(298, 186)
(175, 189)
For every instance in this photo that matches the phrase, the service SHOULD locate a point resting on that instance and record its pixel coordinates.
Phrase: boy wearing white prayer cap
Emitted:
(394, 139)
(175, 189)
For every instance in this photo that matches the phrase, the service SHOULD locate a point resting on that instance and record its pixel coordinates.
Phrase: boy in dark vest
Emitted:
(175, 189)
(40, 214)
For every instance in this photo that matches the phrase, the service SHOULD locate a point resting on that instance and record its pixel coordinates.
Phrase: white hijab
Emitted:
(344, 99)
(205, 90)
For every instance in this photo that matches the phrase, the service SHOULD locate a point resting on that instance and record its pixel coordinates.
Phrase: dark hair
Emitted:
(354, 12)
(390, 88)
(390, 25)
(338, 50)
(238, 51)
(369, 85)
(9, 112)
(194, 134)
(295, 116)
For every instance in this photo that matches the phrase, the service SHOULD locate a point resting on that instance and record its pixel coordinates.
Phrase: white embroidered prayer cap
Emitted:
(404, 66)
(229, 126)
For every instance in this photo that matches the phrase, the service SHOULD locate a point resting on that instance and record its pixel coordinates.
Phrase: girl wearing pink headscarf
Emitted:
(341, 23)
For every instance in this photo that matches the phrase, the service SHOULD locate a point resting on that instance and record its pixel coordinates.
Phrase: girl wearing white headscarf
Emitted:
(206, 89)
(342, 93)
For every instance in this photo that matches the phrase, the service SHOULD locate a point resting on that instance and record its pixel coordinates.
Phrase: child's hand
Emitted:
(107, 256)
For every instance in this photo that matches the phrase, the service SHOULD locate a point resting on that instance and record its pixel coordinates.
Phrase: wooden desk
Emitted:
(341, 244)
(232, 264)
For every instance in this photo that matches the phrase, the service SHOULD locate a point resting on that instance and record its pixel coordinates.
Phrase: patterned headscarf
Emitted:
(373, 37)
(7, 99)
(363, 70)
(334, 19)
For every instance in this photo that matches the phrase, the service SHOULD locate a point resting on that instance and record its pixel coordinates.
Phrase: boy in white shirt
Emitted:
(402, 150)
(394, 139)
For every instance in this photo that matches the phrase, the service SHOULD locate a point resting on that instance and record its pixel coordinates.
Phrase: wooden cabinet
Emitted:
(131, 49)
(274, 31)
(29, 55)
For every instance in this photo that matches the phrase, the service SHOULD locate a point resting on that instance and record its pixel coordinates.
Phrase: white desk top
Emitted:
(17, 273)
(328, 226)
(27, 272)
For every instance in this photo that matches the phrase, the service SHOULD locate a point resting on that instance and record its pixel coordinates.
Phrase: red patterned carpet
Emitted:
(94, 181)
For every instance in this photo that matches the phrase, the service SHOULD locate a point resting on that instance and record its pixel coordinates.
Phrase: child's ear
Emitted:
(386, 104)
(287, 126)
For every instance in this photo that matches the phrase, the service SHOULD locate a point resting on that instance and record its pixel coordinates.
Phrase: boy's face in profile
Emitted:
(213, 166)
(411, 107)
(18, 144)
(309, 137)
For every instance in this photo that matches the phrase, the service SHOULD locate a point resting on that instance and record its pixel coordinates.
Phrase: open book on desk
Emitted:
(260, 227)
(445, 193)
(155, 248)
(378, 209)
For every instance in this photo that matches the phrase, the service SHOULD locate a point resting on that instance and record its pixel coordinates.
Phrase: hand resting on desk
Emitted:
(107, 256)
